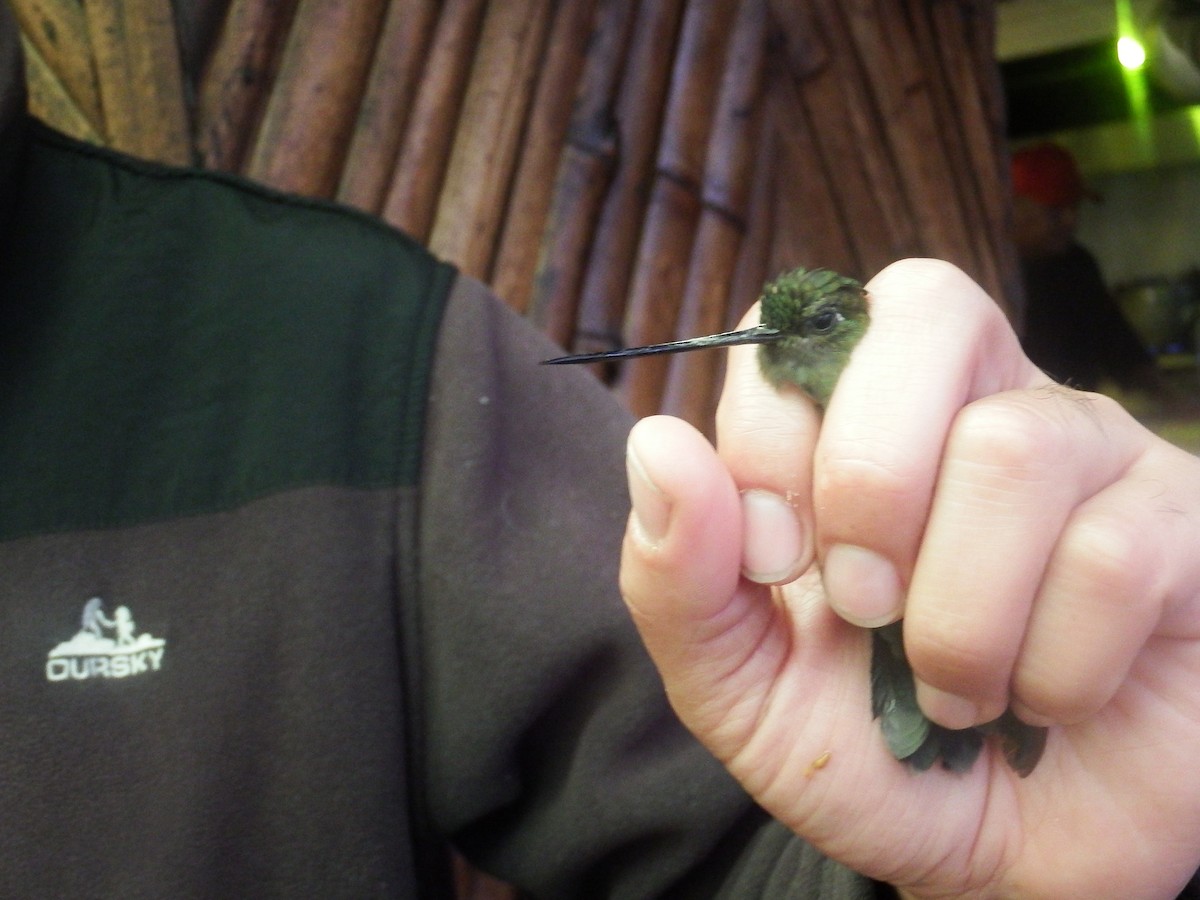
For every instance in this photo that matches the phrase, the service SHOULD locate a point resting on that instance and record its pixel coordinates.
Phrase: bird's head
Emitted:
(811, 320)
(819, 317)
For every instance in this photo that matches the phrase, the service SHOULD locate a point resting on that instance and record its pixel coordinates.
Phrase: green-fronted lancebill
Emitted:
(811, 320)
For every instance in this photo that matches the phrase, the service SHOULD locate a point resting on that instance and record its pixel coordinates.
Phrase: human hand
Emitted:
(1040, 545)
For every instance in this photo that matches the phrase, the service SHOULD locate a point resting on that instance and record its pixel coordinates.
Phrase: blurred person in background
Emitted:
(1074, 329)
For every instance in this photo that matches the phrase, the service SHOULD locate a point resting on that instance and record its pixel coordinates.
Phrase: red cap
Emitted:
(1047, 174)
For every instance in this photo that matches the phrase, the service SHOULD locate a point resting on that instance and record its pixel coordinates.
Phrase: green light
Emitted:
(1130, 53)
(1193, 117)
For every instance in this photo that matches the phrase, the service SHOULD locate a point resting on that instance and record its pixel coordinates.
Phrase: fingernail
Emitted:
(861, 585)
(948, 710)
(774, 541)
(651, 508)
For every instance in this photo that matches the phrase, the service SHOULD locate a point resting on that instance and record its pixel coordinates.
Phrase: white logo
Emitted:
(105, 648)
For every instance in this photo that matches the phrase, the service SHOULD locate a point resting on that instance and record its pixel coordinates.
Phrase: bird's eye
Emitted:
(825, 321)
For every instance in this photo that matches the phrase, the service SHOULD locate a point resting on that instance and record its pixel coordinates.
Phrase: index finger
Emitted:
(766, 439)
(936, 342)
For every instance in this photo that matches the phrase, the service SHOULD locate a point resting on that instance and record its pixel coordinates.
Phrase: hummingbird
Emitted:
(811, 321)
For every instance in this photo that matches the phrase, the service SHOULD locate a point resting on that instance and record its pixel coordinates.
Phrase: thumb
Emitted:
(680, 575)
(769, 679)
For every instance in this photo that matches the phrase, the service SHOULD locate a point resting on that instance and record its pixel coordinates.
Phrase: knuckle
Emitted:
(1065, 686)
(1104, 555)
(1111, 580)
(1029, 431)
(875, 505)
(1107, 555)
(951, 656)
(1055, 701)
(1003, 436)
(884, 482)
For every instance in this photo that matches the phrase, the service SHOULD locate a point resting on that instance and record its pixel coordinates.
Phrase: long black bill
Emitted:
(759, 334)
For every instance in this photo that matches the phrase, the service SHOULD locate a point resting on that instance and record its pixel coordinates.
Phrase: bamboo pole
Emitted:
(729, 161)
(751, 270)
(197, 26)
(60, 53)
(811, 225)
(868, 134)
(395, 74)
(139, 77)
(952, 109)
(237, 79)
(656, 291)
(671, 218)
(584, 176)
(965, 79)
(49, 101)
(690, 380)
(696, 77)
(728, 177)
(898, 80)
(793, 39)
(541, 149)
(981, 45)
(417, 180)
(639, 116)
(482, 162)
(321, 79)
(754, 263)
(868, 206)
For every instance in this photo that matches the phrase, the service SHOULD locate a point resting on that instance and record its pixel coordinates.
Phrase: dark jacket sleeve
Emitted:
(548, 752)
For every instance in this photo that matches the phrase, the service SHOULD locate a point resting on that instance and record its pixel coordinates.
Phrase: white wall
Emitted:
(1147, 224)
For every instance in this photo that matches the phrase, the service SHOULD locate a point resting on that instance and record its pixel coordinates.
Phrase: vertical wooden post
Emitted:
(638, 120)
(58, 52)
(541, 149)
(584, 176)
(139, 76)
(484, 156)
(237, 79)
(668, 232)
(383, 116)
(302, 141)
(416, 183)
(691, 377)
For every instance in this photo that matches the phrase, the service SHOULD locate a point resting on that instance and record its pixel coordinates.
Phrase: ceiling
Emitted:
(1033, 27)
(1062, 82)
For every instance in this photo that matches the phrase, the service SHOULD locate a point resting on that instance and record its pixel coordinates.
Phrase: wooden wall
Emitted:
(620, 172)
